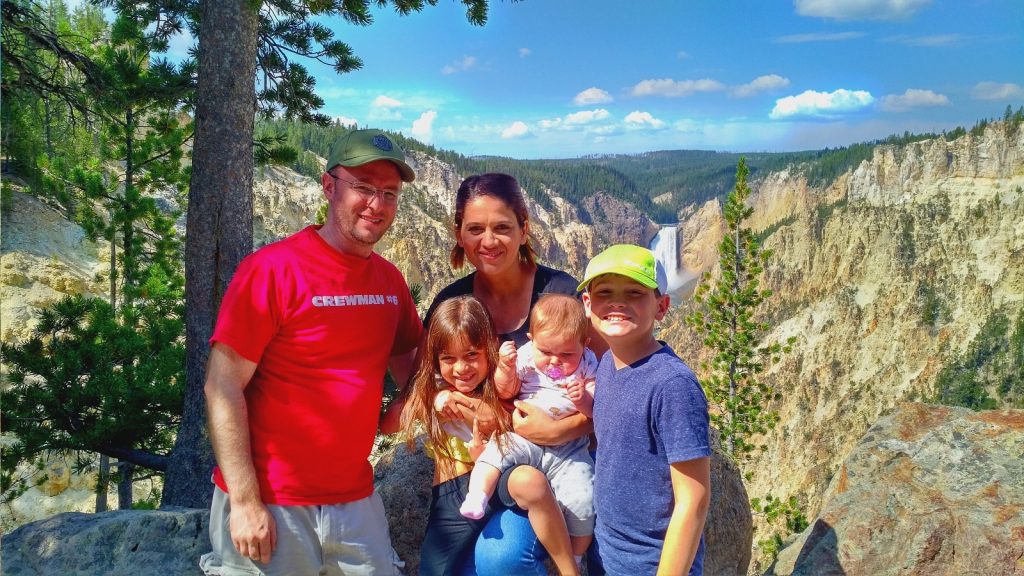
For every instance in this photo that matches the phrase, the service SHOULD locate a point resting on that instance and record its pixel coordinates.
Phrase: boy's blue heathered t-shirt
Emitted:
(646, 415)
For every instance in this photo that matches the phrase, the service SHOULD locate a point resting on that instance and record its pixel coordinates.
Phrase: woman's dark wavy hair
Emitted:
(504, 188)
(460, 320)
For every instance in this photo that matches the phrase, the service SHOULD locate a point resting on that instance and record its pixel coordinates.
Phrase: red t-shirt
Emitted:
(321, 325)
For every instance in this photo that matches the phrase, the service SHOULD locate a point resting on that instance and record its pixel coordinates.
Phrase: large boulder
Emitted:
(122, 543)
(403, 480)
(928, 490)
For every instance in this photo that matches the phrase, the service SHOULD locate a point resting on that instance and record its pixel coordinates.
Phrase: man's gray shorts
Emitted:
(348, 539)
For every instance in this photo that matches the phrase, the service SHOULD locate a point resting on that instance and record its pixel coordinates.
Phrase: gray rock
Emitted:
(728, 532)
(403, 480)
(121, 543)
(928, 490)
(170, 541)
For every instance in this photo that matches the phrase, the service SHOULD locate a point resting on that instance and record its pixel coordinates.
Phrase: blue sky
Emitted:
(564, 78)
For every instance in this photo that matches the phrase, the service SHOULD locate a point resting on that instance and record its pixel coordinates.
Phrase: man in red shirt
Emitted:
(306, 331)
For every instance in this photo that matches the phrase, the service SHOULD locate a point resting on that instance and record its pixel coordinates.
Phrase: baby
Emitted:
(554, 371)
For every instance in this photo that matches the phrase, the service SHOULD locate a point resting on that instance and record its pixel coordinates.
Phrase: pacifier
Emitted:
(553, 372)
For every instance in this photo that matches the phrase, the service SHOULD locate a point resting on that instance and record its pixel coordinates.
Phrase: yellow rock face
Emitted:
(58, 478)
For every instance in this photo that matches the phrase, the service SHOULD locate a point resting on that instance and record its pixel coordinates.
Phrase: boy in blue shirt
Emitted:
(652, 472)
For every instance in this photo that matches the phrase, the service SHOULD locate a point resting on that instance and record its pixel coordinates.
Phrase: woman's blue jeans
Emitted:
(507, 546)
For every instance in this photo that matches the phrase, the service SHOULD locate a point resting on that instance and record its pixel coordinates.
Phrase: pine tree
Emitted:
(97, 357)
(726, 318)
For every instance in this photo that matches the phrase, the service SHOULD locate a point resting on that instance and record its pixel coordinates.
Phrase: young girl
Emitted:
(460, 352)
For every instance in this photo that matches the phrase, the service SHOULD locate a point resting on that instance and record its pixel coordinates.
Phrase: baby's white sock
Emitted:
(474, 505)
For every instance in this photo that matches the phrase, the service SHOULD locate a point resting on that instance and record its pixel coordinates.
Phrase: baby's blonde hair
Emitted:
(559, 313)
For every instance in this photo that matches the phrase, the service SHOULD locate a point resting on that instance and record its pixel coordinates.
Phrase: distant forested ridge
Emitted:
(658, 183)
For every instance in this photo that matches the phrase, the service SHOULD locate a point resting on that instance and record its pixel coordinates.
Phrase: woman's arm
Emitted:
(537, 426)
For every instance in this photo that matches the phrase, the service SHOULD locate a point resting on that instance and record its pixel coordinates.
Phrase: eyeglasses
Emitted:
(368, 192)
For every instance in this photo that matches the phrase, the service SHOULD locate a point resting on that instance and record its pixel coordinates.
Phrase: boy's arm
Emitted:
(691, 491)
(505, 378)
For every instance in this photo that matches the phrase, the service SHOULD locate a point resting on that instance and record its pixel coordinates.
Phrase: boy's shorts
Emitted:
(348, 539)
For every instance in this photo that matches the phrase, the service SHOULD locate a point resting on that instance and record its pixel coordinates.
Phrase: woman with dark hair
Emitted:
(492, 232)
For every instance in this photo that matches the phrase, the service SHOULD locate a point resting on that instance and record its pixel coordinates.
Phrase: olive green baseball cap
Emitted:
(633, 262)
(360, 147)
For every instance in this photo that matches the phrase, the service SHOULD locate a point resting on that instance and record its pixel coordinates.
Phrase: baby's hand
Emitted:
(507, 354)
(575, 390)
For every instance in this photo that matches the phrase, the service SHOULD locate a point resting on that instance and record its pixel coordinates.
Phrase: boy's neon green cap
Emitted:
(633, 262)
(360, 147)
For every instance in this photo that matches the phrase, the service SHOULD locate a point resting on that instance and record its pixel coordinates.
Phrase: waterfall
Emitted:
(666, 250)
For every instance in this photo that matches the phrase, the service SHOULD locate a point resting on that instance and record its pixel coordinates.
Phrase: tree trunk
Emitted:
(219, 223)
(102, 482)
(125, 474)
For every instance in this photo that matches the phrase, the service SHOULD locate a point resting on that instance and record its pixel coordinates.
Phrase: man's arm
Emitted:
(252, 527)
(537, 426)
(691, 491)
(401, 368)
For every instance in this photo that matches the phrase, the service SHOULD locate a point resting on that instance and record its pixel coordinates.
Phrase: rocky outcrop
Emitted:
(122, 543)
(403, 480)
(701, 229)
(44, 259)
(284, 202)
(170, 541)
(928, 490)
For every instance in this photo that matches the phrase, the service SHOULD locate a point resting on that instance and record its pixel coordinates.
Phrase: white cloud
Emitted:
(587, 116)
(934, 41)
(345, 121)
(517, 129)
(637, 118)
(675, 88)
(467, 63)
(682, 55)
(997, 91)
(860, 9)
(913, 98)
(386, 102)
(385, 108)
(821, 104)
(592, 96)
(524, 52)
(423, 127)
(762, 84)
(819, 37)
(581, 118)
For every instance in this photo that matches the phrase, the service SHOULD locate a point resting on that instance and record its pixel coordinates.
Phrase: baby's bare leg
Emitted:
(483, 480)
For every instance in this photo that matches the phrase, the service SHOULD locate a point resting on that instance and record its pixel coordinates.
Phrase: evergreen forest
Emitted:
(659, 183)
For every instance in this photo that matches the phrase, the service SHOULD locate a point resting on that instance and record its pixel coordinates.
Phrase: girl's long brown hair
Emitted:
(458, 321)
